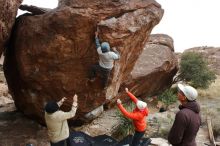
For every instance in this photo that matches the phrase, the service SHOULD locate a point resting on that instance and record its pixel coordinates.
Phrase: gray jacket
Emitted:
(106, 60)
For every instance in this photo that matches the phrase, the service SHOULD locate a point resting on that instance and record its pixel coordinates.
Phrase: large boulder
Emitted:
(8, 12)
(155, 68)
(50, 54)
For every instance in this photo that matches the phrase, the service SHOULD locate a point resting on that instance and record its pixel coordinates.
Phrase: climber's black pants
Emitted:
(104, 73)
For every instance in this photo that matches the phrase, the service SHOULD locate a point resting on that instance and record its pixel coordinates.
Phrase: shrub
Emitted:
(168, 97)
(194, 71)
(213, 90)
(126, 127)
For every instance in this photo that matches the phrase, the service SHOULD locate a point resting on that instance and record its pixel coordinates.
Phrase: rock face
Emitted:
(212, 55)
(8, 12)
(51, 54)
(155, 67)
(161, 39)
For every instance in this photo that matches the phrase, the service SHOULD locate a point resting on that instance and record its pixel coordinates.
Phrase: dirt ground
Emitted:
(17, 130)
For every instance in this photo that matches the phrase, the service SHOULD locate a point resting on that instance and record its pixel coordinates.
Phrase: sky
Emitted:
(191, 23)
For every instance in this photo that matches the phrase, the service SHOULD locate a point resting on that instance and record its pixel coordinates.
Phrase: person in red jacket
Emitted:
(138, 116)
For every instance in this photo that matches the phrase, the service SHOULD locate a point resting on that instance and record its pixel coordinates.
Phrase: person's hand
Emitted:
(126, 89)
(118, 101)
(96, 33)
(75, 98)
(114, 49)
(63, 99)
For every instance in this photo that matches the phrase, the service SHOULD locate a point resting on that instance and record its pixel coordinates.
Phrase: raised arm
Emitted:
(133, 98)
(126, 113)
(116, 55)
(61, 101)
(71, 113)
(97, 42)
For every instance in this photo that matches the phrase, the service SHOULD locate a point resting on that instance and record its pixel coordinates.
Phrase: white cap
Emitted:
(141, 105)
(188, 91)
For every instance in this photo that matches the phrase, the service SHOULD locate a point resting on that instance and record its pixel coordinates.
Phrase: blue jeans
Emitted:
(137, 137)
(65, 142)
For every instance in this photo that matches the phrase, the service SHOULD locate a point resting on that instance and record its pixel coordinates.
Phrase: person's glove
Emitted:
(118, 101)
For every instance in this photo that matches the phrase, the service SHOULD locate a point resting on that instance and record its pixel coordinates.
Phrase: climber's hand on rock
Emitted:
(96, 34)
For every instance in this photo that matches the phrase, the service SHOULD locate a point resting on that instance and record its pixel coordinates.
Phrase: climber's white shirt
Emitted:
(106, 59)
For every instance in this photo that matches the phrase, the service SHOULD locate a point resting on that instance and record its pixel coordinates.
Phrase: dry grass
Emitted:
(212, 91)
(210, 99)
(212, 113)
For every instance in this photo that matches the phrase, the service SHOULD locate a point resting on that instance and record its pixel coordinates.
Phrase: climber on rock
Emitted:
(106, 61)
(138, 116)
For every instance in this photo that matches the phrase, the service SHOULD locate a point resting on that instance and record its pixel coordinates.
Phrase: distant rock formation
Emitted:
(212, 55)
(8, 12)
(50, 55)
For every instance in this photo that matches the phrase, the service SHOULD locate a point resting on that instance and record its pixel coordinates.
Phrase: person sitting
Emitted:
(106, 61)
(138, 116)
(56, 122)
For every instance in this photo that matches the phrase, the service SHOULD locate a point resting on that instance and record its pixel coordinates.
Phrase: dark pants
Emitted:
(65, 142)
(137, 137)
(104, 73)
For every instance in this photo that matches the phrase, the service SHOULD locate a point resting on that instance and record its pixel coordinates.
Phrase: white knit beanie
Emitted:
(141, 105)
(190, 92)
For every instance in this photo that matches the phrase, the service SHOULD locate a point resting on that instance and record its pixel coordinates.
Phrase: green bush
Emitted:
(194, 71)
(168, 97)
(126, 126)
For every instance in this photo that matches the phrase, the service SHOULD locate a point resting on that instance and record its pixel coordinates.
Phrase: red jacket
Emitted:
(138, 116)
